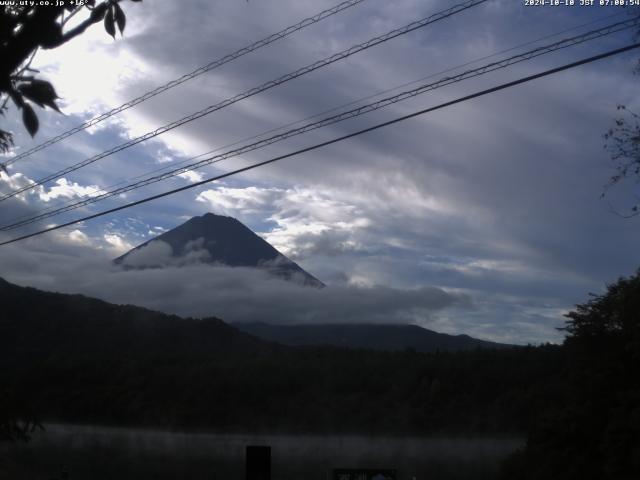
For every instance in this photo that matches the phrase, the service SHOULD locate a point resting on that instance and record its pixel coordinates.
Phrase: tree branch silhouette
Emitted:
(24, 29)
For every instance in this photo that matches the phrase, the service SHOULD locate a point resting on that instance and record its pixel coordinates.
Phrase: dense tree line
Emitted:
(305, 390)
(76, 359)
(592, 432)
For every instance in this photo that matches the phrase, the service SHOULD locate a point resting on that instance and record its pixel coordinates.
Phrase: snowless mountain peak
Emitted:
(214, 239)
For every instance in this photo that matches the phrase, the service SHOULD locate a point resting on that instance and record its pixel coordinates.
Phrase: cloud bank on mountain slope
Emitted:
(233, 294)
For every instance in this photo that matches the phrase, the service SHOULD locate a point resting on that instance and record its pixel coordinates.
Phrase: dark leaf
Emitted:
(121, 19)
(30, 119)
(40, 92)
(109, 23)
(52, 105)
(98, 12)
(17, 98)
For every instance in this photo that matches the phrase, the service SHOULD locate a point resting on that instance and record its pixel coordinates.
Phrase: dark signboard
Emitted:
(258, 462)
(363, 474)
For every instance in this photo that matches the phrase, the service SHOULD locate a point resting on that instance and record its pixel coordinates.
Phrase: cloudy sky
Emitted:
(483, 218)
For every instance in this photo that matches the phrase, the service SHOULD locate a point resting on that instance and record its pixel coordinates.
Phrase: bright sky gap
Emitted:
(189, 76)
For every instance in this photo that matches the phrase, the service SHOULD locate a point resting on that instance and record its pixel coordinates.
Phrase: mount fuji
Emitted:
(215, 239)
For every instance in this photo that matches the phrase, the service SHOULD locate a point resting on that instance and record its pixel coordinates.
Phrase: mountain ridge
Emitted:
(80, 323)
(215, 239)
(386, 337)
(41, 323)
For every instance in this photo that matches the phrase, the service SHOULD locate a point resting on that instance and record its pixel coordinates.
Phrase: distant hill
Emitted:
(36, 324)
(369, 336)
(214, 239)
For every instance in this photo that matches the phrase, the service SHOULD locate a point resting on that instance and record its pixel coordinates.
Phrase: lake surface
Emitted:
(96, 453)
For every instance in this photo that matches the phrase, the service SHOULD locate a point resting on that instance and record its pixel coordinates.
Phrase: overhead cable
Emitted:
(188, 76)
(385, 102)
(254, 91)
(330, 142)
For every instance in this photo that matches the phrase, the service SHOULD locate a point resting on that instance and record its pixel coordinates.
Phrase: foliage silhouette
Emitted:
(622, 141)
(623, 145)
(26, 27)
(593, 432)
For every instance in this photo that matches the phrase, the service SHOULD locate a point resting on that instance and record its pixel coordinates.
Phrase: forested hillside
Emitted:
(390, 337)
(74, 359)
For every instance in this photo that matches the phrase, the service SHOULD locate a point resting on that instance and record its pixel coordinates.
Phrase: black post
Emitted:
(258, 462)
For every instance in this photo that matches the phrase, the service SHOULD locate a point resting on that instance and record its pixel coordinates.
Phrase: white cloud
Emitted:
(79, 237)
(192, 176)
(154, 254)
(160, 254)
(66, 189)
(306, 220)
(117, 243)
(14, 182)
(240, 201)
(92, 73)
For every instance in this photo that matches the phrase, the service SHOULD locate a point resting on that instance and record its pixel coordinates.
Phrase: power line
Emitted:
(254, 91)
(335, 140)
(348, 104)
(188, 76)
(96, 191)
(491, 67)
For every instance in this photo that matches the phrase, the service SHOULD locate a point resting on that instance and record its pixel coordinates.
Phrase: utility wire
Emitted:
(94, 191)
(536, 52)
(186, 77)
(254, 91)
(335, 140)
(97, 190)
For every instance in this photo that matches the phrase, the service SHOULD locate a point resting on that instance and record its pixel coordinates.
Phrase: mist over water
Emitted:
(114, 453)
